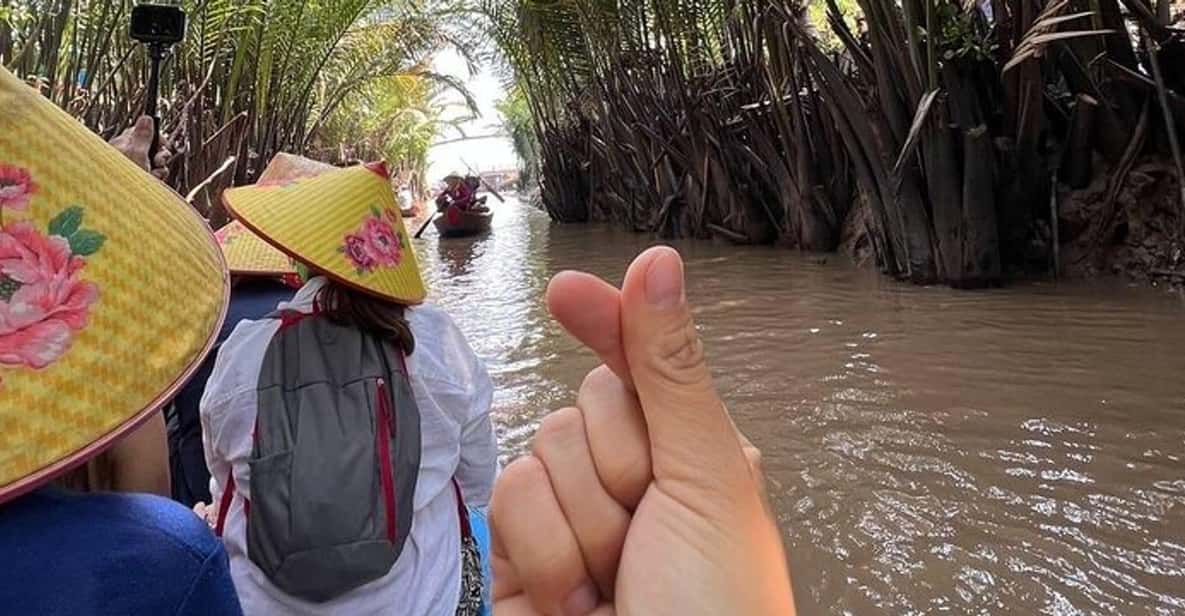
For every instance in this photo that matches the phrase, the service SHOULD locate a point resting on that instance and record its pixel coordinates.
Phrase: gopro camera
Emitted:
(158, 24)
(158, 27)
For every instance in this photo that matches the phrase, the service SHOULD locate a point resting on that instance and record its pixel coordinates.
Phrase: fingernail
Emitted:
(582, 601)
(664, 279)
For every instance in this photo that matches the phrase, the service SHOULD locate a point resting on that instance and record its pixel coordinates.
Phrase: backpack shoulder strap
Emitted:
(228, 494)
(462, 512)
(288, 318)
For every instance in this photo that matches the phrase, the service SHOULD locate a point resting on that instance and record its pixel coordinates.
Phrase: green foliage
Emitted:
(517, 120)
(965, 34)
(395, 118)
(817, 15)
(757, 120)
(252, 78)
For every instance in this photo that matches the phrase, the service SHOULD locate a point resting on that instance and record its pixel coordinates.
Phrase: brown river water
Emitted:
(928, 450)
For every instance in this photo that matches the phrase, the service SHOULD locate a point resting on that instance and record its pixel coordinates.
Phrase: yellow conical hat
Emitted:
(285, 168)
(111, 291)
(246, 253)
(344, 223)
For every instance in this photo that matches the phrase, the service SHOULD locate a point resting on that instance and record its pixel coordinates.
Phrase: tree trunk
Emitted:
(979, 253)
(944, 179)
(1076, 162)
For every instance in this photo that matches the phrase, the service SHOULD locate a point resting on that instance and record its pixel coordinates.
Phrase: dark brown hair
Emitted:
(385, 319)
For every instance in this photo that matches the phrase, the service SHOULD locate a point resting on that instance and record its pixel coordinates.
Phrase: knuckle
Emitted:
(556, 429)
(679, 354)
(626, 478)
(518, 476)
(523, 469)
(599, 378)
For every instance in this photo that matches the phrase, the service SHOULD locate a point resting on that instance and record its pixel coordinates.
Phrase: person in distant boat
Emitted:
(479, 203)
(457, 193)
(90, 349)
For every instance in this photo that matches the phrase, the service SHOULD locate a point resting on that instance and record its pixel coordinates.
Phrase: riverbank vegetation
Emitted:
(952, 142)
(519, 124)
(340, 80)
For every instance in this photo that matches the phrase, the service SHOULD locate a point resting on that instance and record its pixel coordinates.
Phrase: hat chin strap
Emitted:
(302, 270)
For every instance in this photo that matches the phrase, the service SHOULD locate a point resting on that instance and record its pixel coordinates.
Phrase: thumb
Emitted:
(694, 446)
(142, 130)
(135, 141)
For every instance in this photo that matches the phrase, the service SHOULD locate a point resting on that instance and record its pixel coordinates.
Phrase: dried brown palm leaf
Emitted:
(915, 131)
(1034, 47)
(1042, 33)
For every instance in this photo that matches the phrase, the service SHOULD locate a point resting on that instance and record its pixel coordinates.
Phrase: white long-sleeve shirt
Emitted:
(453, 392)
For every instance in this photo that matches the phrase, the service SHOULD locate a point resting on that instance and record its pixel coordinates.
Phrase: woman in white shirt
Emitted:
(432, 575)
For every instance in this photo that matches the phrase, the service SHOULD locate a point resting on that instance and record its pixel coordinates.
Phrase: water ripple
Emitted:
(1008, 451)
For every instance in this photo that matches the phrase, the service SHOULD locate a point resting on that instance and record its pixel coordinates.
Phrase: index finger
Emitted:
(590, 309)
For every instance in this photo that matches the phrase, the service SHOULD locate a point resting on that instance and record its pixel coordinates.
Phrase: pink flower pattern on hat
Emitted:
(382, 241)
(16, 187)
(44, 301)
(374, 244)
(357, 251)
(227, 234)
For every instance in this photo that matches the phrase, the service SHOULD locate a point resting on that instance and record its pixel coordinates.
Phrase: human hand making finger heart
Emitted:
(643, 498)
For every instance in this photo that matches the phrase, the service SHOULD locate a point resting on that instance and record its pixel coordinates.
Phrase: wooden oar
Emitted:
(425, 225)
(484, 182)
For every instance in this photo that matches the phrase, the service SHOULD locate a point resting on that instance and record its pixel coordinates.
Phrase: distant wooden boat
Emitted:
(459, 223)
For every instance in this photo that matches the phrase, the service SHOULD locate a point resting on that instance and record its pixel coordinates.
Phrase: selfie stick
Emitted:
(156, 53)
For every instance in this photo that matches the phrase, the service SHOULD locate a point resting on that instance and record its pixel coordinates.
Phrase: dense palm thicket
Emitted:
(336, 79)
(939, 136)
(519, 124)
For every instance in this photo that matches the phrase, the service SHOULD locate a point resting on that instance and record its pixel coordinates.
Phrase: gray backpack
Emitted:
(335, 461)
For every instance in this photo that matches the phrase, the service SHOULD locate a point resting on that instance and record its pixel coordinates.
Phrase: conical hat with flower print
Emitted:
(246, 253)
(285, 167)
(345, 223)
(111, 291)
